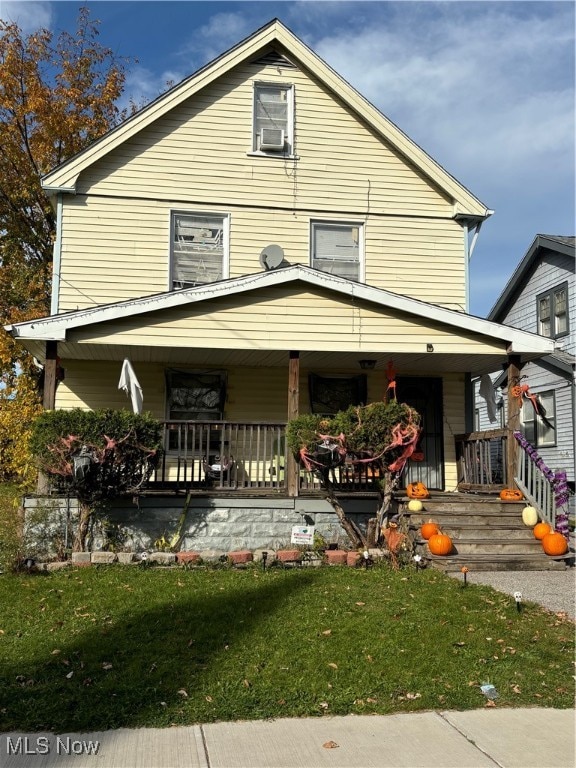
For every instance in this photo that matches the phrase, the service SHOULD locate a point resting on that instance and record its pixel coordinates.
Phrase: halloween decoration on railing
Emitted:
(380, 436)
(557, 480)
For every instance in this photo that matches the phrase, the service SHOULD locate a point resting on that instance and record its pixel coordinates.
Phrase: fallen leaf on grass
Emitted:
(182, 692)
(490, 704)
(516, 689)
(330, 745)
(106, 665)
(323, 705)
(209, 699)
(246, 683)
(360, 603)
(327, 632)
(56, 651)
(334, 666)
(69, 675)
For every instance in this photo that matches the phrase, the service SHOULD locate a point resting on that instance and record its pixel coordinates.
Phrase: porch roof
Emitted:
(484, 344)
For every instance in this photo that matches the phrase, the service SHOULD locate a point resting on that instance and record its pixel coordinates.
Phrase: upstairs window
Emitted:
(553, 312)
(198, 249)
(540, 428)
(273, 110)
(336, 249)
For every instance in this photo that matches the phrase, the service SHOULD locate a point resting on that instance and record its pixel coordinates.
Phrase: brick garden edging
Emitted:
(294, 557)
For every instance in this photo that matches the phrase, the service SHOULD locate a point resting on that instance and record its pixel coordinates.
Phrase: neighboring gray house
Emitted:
(540, 297)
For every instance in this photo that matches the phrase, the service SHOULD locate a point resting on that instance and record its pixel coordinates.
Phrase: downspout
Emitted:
(467, 257)
(57, 258)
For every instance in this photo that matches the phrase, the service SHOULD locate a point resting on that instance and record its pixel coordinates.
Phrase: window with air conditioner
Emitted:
(539, 427)
(198, 249)
(273, 111)
(552, 309)
(337, 248)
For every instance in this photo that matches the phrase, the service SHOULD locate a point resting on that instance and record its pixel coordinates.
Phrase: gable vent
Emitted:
(273, 59)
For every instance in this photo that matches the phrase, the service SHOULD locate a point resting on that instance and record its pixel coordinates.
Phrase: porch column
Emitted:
(293, 411)
(50, 367)
(513, 419)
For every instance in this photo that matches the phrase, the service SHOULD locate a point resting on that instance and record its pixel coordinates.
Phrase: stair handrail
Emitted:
(543, 487)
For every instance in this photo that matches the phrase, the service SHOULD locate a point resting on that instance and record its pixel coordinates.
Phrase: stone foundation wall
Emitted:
(222, 524)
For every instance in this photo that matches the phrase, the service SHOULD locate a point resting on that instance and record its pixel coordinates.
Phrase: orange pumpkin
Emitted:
(511, 494)
(541, 529)
(417, 491)
(428, 529)
(554, 544)
(440, 544)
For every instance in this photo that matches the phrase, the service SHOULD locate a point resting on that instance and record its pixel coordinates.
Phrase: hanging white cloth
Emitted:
(130, 384)
(487, 392)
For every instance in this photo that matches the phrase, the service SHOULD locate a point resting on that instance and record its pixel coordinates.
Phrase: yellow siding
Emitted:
(454, 410)
(284, 318)
(116, 245)
(252, 395)
(111, 255)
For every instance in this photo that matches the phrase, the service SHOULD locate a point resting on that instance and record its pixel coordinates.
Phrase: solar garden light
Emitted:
(518, 598)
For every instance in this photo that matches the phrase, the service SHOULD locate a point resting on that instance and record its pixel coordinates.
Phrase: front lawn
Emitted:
(112, 646)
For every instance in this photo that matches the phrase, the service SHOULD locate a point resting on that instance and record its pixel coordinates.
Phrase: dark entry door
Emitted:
(425, 395)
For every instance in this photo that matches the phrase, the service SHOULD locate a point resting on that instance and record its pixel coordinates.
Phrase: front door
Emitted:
(425, 395)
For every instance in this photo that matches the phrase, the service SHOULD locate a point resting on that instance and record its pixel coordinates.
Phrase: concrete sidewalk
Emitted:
(503, 738)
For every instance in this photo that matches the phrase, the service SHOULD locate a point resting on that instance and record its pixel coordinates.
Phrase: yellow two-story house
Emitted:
(260, 241)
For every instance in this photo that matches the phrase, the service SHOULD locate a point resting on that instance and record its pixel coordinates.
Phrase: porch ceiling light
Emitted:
(367, 365)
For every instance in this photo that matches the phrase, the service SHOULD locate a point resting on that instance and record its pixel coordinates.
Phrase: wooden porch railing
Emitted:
(481, 458)
(238, 456)
(482, 467)
(535, 486)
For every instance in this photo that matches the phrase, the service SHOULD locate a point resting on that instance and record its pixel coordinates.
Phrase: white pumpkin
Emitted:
(415, 505)
(530, 516)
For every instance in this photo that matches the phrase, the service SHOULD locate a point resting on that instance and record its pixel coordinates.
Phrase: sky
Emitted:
(485, 88)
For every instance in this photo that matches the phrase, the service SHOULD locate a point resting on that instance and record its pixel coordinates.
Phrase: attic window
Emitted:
(273, 110)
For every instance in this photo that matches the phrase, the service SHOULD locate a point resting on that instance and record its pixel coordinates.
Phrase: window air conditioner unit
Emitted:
(272, 138)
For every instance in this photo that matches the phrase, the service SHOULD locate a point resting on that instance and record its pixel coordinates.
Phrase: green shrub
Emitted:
(96, 455)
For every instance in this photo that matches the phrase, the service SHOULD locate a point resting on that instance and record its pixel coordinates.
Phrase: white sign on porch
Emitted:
(302, 534)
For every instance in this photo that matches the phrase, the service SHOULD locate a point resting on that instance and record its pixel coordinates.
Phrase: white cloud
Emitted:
(465, 78)
(29, 16)
(222, 31)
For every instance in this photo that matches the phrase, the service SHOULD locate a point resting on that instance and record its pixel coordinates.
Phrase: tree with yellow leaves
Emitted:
(57, 95)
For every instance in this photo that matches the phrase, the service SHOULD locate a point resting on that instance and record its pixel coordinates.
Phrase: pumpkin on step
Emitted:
(511, 494)
(541, 530)
(530, 516)
(440, 544)
(428, 529)
(417, 491)
(415, 505)
(554, 544)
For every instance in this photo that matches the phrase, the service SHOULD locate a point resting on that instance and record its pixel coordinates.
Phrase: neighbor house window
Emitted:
(198, 248)
(540, 428)
(553, 312)
(273, 118)
(336, 248)
(330, 394)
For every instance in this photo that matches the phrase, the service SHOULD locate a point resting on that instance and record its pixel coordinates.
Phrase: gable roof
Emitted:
(56, 327)
(274, 36)
(558, 243)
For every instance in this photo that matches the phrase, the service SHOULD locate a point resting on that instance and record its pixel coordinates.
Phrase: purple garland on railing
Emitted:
(557, 481)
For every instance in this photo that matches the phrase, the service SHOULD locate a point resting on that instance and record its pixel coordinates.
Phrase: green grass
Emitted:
(109, 647)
